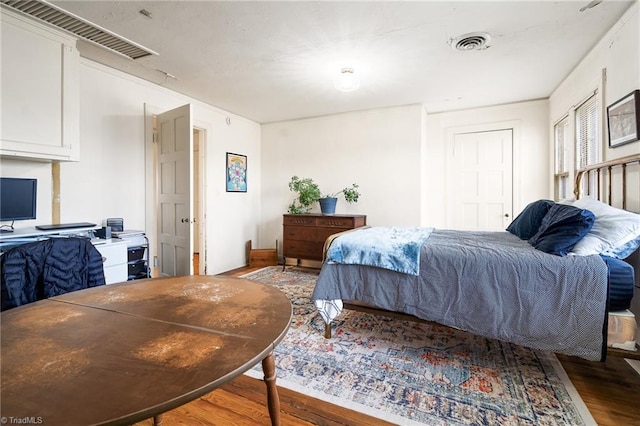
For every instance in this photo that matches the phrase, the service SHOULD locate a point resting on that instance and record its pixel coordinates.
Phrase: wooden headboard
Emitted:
(615, 182)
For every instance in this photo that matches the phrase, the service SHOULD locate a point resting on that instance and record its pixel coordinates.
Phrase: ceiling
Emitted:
(272, 61)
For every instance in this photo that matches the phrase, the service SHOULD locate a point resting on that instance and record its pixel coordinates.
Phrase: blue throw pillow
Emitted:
(527, 223)
(562, 227)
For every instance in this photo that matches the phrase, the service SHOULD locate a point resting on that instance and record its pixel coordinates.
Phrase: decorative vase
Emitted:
(328, 205)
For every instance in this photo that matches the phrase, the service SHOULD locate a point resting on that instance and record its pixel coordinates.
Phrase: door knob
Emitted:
(506, 215)
(184, 220)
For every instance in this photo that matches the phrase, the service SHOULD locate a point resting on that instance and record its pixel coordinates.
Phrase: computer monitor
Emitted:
(18, 199)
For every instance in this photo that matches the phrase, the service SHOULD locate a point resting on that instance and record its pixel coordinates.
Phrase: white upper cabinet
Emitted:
(40, 91)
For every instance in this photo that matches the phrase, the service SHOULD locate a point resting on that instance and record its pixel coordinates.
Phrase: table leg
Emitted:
(327, 331)
(273, 400)
(157, 420)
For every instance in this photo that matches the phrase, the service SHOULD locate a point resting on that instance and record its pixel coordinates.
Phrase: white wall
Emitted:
(530, 152)
(397, 156)
(380, 150)
(111, 179)
(619, 54)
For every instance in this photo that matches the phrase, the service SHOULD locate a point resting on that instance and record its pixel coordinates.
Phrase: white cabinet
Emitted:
(114, 261)
(40, 91)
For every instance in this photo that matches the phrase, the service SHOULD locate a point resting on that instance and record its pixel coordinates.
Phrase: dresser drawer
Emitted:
(335, 222)
(300, 220)
(323, 233)
(300, 233)
(303, 249)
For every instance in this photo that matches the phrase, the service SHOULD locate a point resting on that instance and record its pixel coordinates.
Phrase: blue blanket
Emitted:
(394, 248)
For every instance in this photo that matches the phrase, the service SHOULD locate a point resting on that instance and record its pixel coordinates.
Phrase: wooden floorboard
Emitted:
(610, 390)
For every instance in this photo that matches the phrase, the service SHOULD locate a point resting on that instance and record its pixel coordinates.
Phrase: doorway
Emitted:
(198, 195)
(481, 170)
(177, 202)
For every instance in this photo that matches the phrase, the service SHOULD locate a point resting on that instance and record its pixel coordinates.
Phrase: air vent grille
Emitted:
(471, 41)
(82, 28)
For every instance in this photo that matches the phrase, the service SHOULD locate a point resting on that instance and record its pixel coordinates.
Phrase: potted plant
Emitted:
(309, 192)
(328, 202)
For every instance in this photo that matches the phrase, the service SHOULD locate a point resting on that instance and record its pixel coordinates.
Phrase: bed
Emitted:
(547, 282)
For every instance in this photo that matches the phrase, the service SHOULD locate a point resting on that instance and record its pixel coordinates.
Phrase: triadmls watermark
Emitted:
(25, 420)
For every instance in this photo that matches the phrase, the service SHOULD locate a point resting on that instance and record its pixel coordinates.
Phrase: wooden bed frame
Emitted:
(612, 187)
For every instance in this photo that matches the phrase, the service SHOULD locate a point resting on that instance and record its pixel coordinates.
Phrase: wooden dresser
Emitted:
(305, 234)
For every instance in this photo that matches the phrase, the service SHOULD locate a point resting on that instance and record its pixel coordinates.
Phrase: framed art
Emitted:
(623, 119)
(236, 171)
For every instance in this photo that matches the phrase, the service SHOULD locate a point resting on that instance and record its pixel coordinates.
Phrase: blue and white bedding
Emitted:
(489, 283)
(621, 283)
(388, 247)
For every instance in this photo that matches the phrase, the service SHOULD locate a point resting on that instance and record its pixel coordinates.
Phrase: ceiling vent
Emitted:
(471, 41)
(80, 27)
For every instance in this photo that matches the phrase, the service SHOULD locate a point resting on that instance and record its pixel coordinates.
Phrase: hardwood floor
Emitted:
(611, 391)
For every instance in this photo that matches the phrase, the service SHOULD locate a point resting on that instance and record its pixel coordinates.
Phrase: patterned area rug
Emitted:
(408, 372)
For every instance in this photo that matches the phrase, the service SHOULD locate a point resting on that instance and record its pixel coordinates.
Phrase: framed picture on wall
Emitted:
(236, 172)
(623, 119)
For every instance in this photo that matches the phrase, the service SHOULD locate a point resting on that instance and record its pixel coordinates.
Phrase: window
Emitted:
(577, 145)
(562, 179)
(587, 138)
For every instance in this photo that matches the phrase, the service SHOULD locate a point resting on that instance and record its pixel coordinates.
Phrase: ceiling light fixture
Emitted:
(347, 81)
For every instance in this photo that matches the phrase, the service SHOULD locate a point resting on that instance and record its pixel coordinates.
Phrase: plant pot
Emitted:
(328, 205)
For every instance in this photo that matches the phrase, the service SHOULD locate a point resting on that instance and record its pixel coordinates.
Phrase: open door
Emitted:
(174, 186)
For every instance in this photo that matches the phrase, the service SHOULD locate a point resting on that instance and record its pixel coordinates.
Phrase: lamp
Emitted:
(347, 81)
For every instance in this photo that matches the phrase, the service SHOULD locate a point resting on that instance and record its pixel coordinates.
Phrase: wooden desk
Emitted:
(125, 352)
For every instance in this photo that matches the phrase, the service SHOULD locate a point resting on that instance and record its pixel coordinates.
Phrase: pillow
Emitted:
(562, 227)
(613, 230)
(526, 224)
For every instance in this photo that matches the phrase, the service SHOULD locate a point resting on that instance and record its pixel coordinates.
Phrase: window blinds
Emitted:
(587, 138)
(587, 131)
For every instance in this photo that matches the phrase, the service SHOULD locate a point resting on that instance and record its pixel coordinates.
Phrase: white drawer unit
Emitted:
(114, 260)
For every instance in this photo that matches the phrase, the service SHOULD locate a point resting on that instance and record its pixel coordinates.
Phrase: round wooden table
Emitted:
(125, 352)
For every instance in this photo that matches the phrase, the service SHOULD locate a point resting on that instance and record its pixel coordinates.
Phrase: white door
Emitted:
(482, 174)
(175, 213)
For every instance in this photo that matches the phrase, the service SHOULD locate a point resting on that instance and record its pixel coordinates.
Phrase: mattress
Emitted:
(621, 282)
